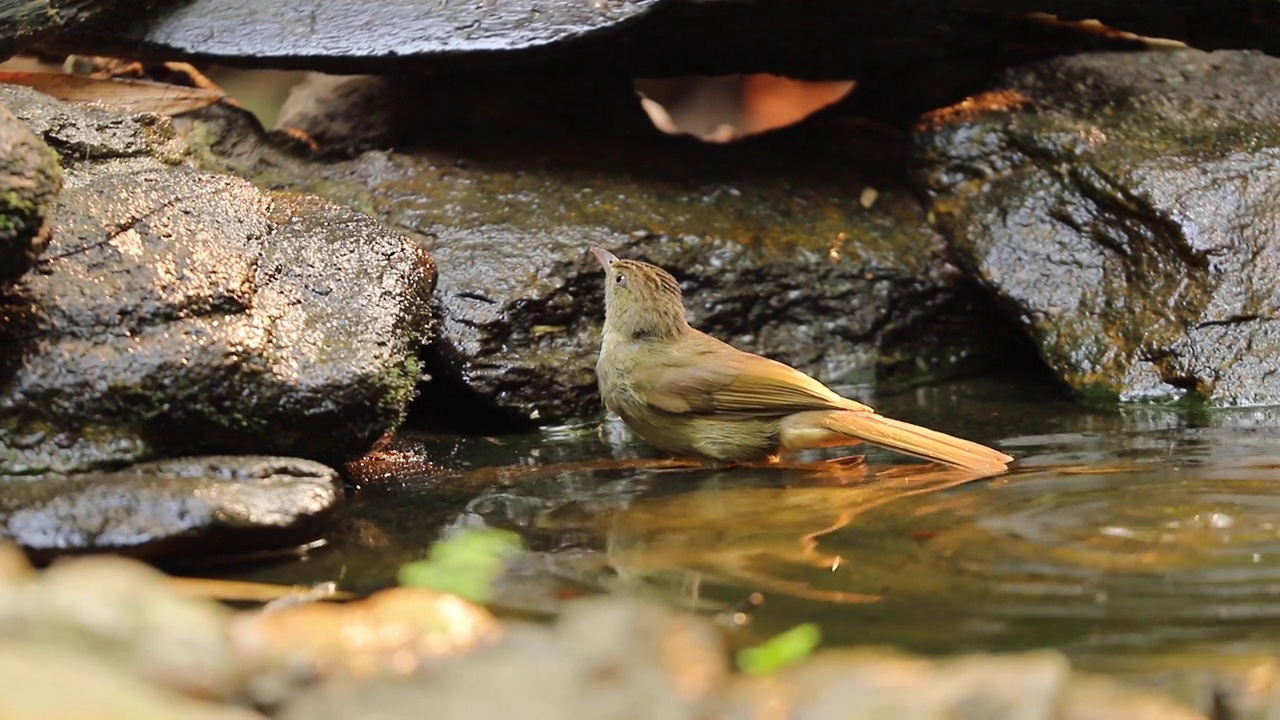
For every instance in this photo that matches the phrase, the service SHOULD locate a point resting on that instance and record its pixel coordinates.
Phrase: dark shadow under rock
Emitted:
(30, 179)
(1124, 209)
(205, 505)
(809, 250)
(182, 312)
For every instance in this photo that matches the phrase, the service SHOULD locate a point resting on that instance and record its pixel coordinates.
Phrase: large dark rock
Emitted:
(29, 21)
(206, 505)
(832, 38)
(30, 178)
(1125, 210)
(182, 312)
(772, 241)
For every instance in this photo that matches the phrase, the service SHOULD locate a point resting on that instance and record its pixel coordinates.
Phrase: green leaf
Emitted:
(787, 648)
(467, 564)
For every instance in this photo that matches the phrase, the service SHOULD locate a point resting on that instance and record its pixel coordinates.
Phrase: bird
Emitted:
(691, 395)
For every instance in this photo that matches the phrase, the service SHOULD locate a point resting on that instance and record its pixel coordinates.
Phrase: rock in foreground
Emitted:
(412, 652)
(1125, 210)
(181, 312)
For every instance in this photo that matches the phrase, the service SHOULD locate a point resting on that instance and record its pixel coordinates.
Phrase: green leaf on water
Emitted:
(781, 650)
(467, 564)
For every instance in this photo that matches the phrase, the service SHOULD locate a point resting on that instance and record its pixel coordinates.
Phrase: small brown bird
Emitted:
(690, 394)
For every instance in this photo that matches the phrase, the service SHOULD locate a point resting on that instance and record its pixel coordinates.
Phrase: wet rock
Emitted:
(876, 683)
(1122, 208)
(22, 24)
(831, 38)
(774, 249)
(181, 312)
(205, 505)
(345, 112)
(30, 178)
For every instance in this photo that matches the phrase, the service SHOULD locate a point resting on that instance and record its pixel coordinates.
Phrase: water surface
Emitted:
(1121, 537)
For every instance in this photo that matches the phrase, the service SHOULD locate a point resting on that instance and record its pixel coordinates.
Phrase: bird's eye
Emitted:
(620, 279)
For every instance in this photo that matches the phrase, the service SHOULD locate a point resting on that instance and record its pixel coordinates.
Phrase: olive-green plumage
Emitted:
(689, 394)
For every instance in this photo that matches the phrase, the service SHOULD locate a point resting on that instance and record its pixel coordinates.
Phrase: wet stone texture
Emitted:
(1124, 209)
(206, 505)
(638, 38)
(772, 242)
(30, 178)
(183, 312)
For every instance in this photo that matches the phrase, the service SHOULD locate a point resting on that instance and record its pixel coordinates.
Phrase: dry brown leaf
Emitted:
(126, 94)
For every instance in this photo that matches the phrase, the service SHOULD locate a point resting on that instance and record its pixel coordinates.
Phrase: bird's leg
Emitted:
(847, 460)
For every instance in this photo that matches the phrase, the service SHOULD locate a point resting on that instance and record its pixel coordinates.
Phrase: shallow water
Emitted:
(1122, 538)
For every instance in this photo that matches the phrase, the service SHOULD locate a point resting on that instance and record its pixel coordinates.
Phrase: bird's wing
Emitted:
(704, 376)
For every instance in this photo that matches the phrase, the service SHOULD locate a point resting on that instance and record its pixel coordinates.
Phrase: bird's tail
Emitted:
(915, 440)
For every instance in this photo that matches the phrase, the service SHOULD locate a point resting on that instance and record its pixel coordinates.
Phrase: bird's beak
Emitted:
(605, 257)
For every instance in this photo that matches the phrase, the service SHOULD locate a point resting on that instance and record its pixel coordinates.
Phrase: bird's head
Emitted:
(641, 301)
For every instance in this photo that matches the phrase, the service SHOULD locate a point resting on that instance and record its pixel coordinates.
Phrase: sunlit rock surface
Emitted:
(398, 631)
(178, 311)
(1124, 210)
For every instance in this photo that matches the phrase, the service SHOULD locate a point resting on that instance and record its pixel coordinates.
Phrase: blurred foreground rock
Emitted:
(871, 684)
(182, 312)
(1124, 210)
(36, 681)
(413, 652)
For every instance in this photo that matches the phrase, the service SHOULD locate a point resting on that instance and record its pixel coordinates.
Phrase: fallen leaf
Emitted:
(126, 94)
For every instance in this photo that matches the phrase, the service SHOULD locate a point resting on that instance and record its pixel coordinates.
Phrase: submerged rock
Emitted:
(205, 506)
(772, 241)
(1124, 209)
(30, 178)
(182, 312)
